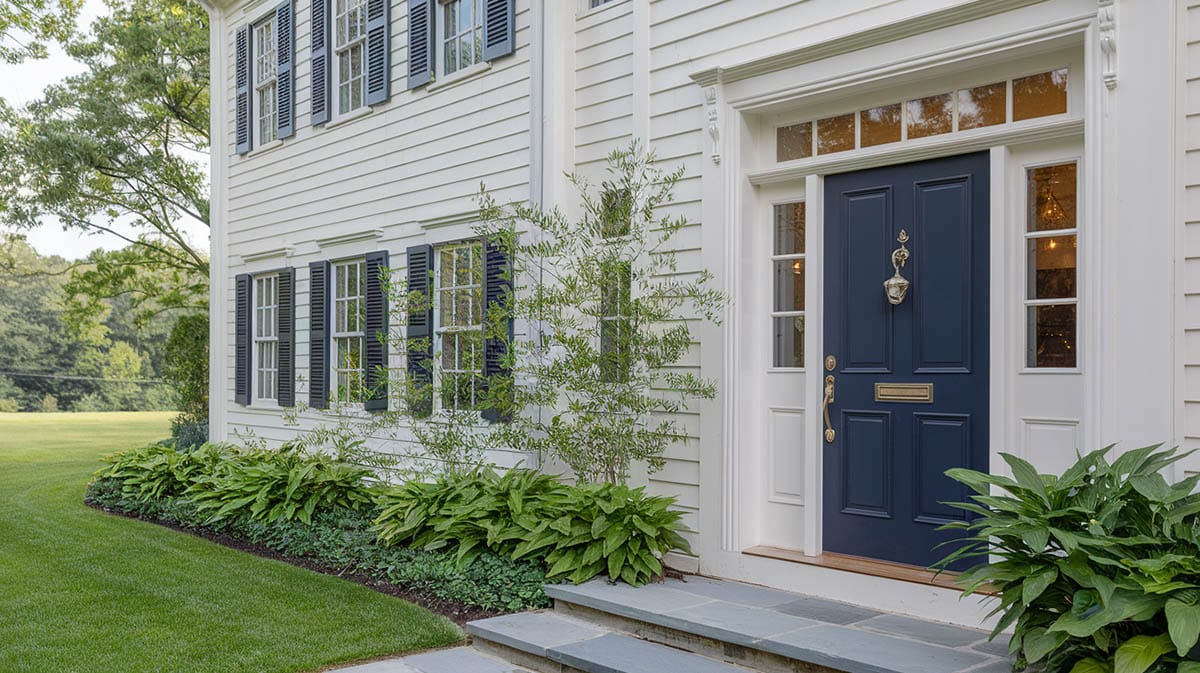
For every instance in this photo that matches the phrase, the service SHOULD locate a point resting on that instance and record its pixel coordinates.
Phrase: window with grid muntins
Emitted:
(1052, 269)
(266, 72)
(349, 334)
(266, 337)
(787, 267)
(350, 34)
(461, 34)
(458, 325)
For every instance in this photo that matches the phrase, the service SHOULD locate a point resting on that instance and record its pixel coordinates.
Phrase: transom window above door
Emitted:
(1019, 99)
(787, 271)
(460, 34)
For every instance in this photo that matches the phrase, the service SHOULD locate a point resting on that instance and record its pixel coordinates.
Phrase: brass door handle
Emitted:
(829, 433)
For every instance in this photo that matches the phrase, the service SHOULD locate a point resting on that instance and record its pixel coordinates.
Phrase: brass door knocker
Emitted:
(897, 286)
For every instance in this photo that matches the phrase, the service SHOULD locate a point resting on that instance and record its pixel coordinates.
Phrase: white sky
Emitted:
(20, 84)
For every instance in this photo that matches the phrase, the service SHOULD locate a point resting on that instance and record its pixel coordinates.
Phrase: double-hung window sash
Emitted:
(263, 57)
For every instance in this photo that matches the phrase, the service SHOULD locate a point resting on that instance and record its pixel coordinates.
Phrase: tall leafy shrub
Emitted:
(1097, 569)
(186, 370)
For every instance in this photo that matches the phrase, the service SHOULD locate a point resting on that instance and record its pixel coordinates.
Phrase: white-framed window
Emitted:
(349, 334)
(266, 73)
(593, 4)
(1051, 266)
(787, 268)
(459, 34)
(616, 285)
(266, 338)
(350, 55)
(458, 325)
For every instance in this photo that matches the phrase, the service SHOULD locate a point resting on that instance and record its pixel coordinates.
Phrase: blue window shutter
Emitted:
(318, 335)
(379, 51)
(497, 286)
(285, 48)
(285, 328)
(420, 42)
(499, 28)
(419, 338)
(241, 339)
(376, 360)
(241, 68)
(319, 62)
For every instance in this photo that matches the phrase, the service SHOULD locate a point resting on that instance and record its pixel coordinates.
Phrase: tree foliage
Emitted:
(121, 149)
(26, 26)
(41, 358)
(602, 383)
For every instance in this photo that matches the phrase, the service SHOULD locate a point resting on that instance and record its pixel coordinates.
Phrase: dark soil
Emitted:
(459, 613)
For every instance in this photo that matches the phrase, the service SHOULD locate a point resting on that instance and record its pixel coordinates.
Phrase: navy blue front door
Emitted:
(884, 481)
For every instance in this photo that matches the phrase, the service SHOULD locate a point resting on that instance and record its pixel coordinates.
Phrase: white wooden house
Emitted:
(1041, 159)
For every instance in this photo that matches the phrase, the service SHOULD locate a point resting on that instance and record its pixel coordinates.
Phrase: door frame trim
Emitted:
(737, 172)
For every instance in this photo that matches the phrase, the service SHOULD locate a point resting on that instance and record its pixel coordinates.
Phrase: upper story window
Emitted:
(266, 338)
(593, 4)
(266, 83)
(458, 325)
(460, 34)
(349, 47)
(1039, 95)
(349, 334)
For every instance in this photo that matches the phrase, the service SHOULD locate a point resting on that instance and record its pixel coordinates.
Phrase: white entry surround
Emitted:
(762, 453)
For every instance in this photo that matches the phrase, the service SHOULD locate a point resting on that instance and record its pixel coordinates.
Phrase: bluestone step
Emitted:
(772, 628)
(616, 653)
(459, 660)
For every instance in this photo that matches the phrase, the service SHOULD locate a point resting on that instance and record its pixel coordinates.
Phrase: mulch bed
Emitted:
(459, 613)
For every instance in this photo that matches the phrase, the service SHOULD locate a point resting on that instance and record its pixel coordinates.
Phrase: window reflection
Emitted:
(1040, 95)
(930, 116)
(982, 106)
(835, 134)
(880, 125)
(793, 142)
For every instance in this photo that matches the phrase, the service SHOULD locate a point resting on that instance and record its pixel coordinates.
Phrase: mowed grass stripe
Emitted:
(83, 591)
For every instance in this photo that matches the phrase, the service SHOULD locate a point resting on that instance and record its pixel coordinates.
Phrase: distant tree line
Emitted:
(54, 360)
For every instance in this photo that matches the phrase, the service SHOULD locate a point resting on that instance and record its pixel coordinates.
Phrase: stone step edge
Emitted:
(553, 654)
(681, 633)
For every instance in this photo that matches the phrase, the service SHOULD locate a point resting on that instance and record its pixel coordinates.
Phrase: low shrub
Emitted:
(159, 470)
(578, 532)
(344, 540)
(284, 484)
(1096, 569)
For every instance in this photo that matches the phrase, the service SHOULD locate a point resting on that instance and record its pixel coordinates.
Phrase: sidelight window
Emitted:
(787, 267)
(1052, 273)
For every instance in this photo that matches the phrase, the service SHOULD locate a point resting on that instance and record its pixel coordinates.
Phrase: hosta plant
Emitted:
(578, 532)
(285, 484)
(1097, 570)
(159, 470)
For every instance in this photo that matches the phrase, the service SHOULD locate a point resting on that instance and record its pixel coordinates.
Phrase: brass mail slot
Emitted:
(904, 392)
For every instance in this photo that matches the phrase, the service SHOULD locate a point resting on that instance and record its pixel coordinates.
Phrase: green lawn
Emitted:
(84, 591)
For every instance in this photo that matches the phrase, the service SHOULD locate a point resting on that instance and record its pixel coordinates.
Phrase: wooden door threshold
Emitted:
(862, 566)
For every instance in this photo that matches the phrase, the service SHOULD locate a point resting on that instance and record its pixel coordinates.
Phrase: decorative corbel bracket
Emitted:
(1107, 20)
(714, 122)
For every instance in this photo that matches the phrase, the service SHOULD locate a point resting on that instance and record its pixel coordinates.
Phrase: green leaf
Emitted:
(1183, 624)
(1026, 475)
(1091, 666)
(1037, 584)
(1140, 652)
(1188, 667)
